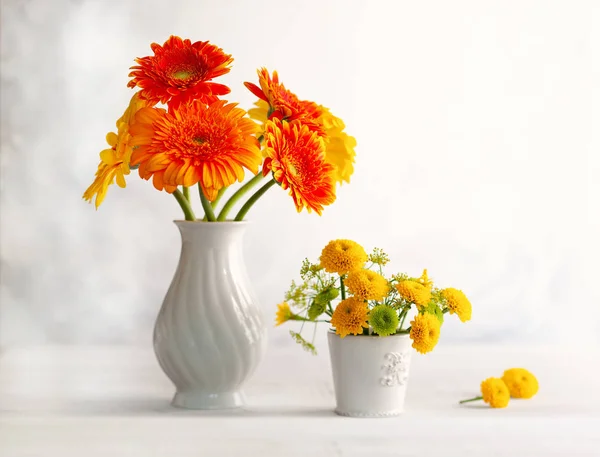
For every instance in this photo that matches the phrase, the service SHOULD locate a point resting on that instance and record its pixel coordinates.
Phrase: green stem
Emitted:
(219, 195)
(186, 193)
(185, 205)
(252, 200)
(342, 287)
(470, 399)
(208, 210)
(237, 195)
(403, 315)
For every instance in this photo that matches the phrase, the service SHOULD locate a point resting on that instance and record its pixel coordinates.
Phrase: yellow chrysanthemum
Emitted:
(414, 292)
(425, 332)
(520, 382)
(284, 313)
(495, 392)
(350, 316)
(424, 280)
(114, 162)
(339, 146)
(458, 303)
(367, 284)
(343, 256)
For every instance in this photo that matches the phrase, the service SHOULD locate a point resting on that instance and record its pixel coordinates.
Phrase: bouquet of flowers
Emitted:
(348, 290)
(179, 131)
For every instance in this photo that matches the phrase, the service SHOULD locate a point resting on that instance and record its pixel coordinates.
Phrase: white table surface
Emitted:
(114, 401)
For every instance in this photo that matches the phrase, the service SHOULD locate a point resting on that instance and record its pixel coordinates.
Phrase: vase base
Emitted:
(202, 400)
(366, 414)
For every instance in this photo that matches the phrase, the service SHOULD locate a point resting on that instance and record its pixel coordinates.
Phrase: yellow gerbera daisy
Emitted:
(495, 392)
(425, 332)
(457, 303)
(350, 316)
(520, 382)
(343, 256)
(284, 313)
(114, 162)
(414, 292)
(367, 284)
(339, 146)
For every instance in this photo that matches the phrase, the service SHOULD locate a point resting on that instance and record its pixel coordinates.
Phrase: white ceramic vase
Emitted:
(210, 333)
(370, 374)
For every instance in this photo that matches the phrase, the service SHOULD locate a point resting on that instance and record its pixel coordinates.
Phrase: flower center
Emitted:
(198, 140)
(182, 73)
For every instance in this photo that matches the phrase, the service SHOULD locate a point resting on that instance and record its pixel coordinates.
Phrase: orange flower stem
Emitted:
(219, 195)
(252, 200)
(185, 205)
(208, 209)
(237, 195)
(186, 193)
(470, 399)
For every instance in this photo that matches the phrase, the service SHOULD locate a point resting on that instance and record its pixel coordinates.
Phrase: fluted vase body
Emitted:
(210, 333)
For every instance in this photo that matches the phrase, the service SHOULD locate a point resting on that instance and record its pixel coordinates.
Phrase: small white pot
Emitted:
(370, 374)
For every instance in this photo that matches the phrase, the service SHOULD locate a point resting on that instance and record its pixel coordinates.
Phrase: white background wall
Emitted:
(477, 157)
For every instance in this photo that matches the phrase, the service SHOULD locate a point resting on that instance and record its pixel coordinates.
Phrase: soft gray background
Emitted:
(478, 157)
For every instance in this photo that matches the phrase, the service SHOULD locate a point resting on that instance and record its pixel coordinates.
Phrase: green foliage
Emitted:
(433, 308)
(297, 295)
(327, 295)
(316, 309)
(309, 270)
(302, 342)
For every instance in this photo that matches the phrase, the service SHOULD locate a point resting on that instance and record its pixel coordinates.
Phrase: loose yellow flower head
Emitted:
(520, 382)
(414, 292)
(424, 280)
(284, 313)
(114, 162)
(495, 392)
(343, 256)
(339, 146)
(425, 332)
(350, 316)
(458, 303)
(367, 284)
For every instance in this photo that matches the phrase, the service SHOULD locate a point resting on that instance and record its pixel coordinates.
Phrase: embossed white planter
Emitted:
(210, 333)
(370, 374)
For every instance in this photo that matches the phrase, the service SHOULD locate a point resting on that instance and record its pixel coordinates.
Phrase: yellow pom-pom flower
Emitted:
(343, 256)
(495, 392)
(425, 332)
(457, 303)
(284, 313)
(520, 382)
(367, 284)
(350, 317)
(414, 292)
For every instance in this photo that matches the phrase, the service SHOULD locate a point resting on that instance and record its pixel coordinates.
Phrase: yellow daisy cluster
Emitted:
(457, 303)
(367, 284)
(343, 256)
(425, 332)
(350, 317)
(414, 292)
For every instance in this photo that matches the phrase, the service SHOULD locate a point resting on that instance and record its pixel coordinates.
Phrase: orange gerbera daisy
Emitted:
(195, 143)
(180, 71)
(284, 104)
(296, 157)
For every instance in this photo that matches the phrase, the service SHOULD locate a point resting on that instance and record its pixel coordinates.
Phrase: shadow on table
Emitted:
(149, 407)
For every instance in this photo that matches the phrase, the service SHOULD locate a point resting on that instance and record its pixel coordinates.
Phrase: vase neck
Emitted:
(211, 234)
